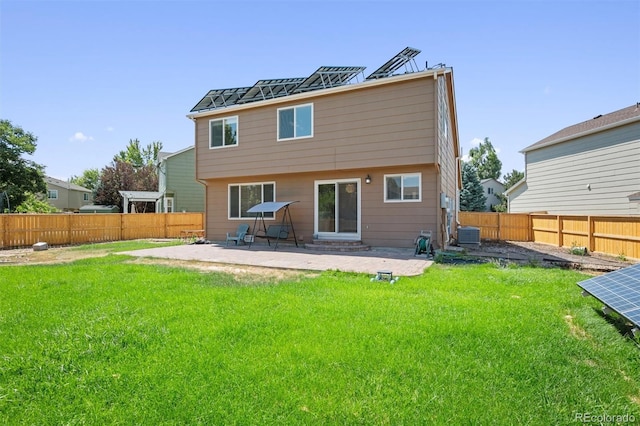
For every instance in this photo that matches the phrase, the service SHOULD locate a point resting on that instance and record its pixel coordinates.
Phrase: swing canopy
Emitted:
(275, 232)
(269, 206)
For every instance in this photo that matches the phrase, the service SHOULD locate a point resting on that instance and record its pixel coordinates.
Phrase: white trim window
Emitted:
(223, 132)
(295, 122)
(85, 197)
(168, 204)
(52, 194)
(244, 196)
(405, 187)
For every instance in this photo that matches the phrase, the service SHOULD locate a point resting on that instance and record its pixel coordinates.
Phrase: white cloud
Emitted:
(466, 158)
(80, 137)
(476, 141)
(110, 129)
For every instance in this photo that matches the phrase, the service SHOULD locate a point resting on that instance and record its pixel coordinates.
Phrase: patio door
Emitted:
(337, 212)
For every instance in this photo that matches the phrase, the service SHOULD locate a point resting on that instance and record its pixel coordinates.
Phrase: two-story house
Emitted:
(589, 168)
(177, 182)
(66, 196)
(375, 160)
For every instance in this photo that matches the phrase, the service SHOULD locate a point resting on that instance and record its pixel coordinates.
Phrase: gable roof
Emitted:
(596, 124)
(66, 185)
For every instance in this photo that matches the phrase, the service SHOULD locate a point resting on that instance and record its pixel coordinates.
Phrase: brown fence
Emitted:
(614, 235)
(24, 230)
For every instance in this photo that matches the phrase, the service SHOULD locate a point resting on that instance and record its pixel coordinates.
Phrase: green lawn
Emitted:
(104, 341)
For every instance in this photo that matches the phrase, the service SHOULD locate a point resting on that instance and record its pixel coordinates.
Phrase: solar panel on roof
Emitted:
(619, 290)
(269, 89)
(220, 98)
(325, 77)
(404, 58)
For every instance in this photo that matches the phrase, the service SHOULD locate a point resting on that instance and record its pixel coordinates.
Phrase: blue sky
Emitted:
(86, 76)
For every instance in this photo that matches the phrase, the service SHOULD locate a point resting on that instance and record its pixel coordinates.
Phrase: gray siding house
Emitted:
(177, 182)
(590, 168)
(66, 196)
(373, 161)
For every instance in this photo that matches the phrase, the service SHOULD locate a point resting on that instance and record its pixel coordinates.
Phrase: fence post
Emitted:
(559, 227)
(590, 237)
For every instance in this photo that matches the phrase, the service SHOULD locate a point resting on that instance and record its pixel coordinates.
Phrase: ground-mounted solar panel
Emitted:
(405, 58)
(618, 290)
(220, 98)
(326, 77)
(269, 89)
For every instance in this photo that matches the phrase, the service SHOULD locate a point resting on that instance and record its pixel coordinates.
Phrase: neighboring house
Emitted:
(375, 160)
(492, 189)
(67, 196)
(590, 168)
(181, 192)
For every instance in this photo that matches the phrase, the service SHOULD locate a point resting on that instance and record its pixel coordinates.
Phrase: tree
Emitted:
(35, 204)
(123, 176)
(472, 198)
(138, 156)
(510, 179)
(485, 160)
(89, 179)
(18, 176)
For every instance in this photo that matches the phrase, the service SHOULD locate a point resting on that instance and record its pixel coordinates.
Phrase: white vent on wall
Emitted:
(469, 235)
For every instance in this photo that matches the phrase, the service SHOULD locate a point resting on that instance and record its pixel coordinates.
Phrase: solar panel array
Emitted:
(323, 78)
(619, 290)
(404, 58)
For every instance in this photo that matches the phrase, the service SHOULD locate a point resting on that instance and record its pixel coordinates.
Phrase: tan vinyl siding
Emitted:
(558, 175)
(383, 224)
(371, 127)
(68, 199)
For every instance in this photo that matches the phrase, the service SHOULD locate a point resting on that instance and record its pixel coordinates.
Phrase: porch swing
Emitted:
(272, 232)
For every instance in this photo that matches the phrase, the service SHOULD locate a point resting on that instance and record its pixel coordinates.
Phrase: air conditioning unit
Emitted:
(469, 236)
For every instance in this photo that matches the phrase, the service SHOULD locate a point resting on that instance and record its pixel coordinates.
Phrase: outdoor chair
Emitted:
(242, 230)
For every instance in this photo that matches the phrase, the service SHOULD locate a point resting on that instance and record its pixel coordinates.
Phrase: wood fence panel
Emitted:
(544, 229)
(95, 228)
(24, 230)
(143, 225)
(514, 227)
(575, 231)
(618, 236)
(176, 223)
(489, 223)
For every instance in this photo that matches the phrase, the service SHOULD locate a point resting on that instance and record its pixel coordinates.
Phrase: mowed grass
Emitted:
(104, 341)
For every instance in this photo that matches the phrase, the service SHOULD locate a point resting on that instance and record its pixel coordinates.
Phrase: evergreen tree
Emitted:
(472, 198)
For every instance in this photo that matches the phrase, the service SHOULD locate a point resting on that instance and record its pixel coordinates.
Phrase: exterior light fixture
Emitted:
(367, 180)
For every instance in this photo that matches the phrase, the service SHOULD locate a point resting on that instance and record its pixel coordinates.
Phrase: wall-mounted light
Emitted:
(367, 180)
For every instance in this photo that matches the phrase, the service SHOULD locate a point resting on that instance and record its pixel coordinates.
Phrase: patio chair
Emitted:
(242, 230)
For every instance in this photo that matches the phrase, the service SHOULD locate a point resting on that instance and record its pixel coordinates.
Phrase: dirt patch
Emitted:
(547, 255)
(53, 255)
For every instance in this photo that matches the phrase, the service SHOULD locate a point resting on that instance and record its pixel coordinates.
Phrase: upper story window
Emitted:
(243, 197)
(85, 197)
(53, 194)
(489, 191)
(295, 122)
(403, 187)
(223, 132)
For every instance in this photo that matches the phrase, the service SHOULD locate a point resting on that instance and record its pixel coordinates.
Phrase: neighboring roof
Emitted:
(67, 185)
(596, 124)
(164, 155)
(514, 186)
(634, 197)
(483, 181)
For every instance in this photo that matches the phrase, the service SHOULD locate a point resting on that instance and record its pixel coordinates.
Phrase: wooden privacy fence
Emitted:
(614, 235)
(24, 230)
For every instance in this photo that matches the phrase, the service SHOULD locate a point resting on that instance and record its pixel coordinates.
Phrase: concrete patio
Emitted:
(401, 262)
